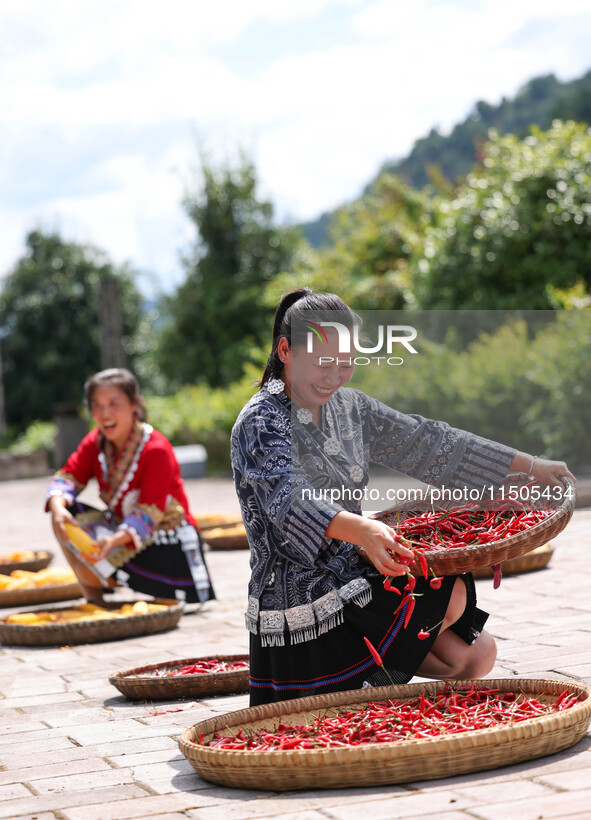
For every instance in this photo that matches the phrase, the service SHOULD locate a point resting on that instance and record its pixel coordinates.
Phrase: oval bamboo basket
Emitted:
(40, 595)
(529, 562)
(226, 537)
(136, 684)
(384, 763)
(79, 632)
(467, 559)
(42, 559)
(208, 521)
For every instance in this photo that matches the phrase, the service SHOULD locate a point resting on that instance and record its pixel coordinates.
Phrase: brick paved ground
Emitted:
(71, 747)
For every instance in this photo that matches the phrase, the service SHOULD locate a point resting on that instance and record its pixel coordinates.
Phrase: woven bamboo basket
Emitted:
(380, 764)
(466, 559)
(226, 537)
(210, 520)
(142, 683)
(79, 632)
(39, 595)
(42, 559)
(529, 562)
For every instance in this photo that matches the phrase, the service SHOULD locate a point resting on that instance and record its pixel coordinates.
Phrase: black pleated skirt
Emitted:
(339, 659)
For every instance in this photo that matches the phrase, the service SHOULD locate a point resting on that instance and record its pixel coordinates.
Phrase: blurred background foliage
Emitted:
(527, 384)
(507, 228)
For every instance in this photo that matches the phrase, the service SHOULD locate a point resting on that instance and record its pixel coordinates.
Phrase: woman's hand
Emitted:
(549, 472)
(376, 539)
(108, 544)
(379, 543)
(57, 506)
(542, 469)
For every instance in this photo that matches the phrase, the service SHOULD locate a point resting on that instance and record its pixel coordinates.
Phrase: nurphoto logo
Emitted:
(388, 336)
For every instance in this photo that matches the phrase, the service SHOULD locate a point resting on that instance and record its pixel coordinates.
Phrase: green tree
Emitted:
(373, 240)
(216, 315)
(517, 229)
(49, 324)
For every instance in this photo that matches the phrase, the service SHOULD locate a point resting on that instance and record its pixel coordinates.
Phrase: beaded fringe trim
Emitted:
(304, 623)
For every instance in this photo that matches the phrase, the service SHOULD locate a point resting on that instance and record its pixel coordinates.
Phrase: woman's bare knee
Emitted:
(451, 657)
(481, 659)
(457, 604)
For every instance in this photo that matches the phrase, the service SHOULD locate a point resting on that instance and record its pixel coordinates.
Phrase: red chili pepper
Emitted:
(375, 654)
(423, 564)
(409, 611)
(388, 586)
(423, 634)
(435, 583)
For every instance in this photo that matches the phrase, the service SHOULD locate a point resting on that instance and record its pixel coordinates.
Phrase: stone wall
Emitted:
(30, 466)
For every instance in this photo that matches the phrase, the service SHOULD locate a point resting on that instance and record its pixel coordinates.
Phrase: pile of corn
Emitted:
(20, 557)
(83, 612)
(23, 579)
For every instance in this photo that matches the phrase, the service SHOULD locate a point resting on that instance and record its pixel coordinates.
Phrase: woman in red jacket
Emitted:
(146, 530)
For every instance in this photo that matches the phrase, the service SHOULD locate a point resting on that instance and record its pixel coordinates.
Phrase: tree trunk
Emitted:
(111, 324)
(2, 409)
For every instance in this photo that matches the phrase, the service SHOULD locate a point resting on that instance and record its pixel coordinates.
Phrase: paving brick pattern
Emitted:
(72, 748)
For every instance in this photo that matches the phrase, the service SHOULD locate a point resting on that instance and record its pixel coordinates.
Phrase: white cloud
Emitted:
(101, 100)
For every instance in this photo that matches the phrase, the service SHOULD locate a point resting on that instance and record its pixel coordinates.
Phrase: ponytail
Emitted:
(274, 364)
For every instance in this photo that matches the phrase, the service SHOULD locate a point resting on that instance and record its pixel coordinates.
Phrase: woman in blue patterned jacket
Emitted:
(318, 566)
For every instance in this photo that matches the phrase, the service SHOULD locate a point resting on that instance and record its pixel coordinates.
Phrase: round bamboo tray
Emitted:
(384, 763)
(40, 595)
(467, 559)
(226, 537)
(139, 684)
(42, 559)
(78, 632)
(210, 520)
(529, 562)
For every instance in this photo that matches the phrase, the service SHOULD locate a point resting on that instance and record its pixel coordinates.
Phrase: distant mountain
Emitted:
(540, 101)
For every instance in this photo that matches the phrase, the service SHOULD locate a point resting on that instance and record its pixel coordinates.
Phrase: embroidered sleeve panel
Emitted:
(432, 451)
(65, 484)
(141, 523)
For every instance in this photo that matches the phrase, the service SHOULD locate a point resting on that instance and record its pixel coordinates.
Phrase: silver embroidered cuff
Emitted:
(251, 616)
(301, 623)
(329, 611)
(272, 627)
(358, 591)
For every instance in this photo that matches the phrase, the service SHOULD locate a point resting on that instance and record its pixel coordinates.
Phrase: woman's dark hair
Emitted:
(121, 378)
(295, 309)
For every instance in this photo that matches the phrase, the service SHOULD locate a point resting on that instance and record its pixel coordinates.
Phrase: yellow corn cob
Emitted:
(81, 539)
(29, 618)
(17, 583)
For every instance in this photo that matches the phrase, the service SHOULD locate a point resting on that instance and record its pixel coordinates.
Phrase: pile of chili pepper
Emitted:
(459, 527)
(201, 667)
(449, 711)
(211, 665)
(465, 527)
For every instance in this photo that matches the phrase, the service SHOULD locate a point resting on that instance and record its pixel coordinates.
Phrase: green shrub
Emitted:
(530, 392)
(38, 436)
(203, 415)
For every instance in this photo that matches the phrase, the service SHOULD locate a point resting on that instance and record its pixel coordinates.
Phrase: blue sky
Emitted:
(105, 101)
